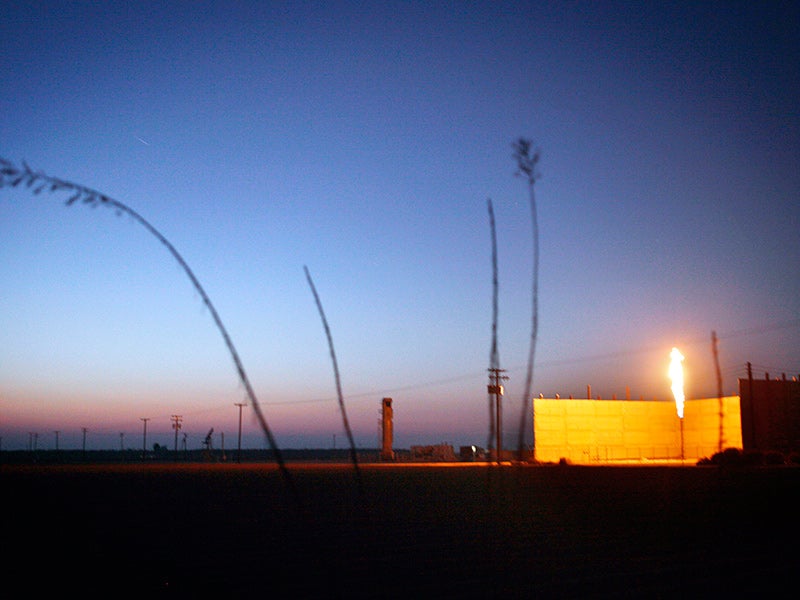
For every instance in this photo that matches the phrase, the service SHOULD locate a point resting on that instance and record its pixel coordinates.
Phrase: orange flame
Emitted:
(676, 374)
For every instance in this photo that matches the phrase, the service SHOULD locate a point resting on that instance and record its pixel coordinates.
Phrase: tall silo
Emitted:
(387, 430)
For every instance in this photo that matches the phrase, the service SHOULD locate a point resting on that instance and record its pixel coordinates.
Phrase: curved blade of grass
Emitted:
(13, 175)
(353, 456)
(527, 159)
(494, 355)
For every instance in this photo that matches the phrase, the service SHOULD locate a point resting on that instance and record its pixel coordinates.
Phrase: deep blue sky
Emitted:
(363, 141)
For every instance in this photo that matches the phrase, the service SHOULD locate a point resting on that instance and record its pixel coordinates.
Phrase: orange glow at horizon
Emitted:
(676, 375)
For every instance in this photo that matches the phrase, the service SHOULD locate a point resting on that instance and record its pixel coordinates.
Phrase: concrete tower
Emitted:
(387, 430)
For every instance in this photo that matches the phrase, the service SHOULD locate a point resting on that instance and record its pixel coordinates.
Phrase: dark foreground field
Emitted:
(415, 532)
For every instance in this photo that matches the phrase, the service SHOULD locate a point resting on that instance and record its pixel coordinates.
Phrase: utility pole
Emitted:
(56, 432)
(144, 436)
(496, 389)
(239, 447)
(176, 425)
(83, 447)
(121, 444)
(715, 351)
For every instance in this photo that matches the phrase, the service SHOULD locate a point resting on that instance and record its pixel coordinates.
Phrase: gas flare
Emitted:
(676, 374)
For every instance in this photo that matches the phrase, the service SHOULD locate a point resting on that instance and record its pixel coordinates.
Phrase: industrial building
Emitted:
(764, 417)
(589, 431)
(770, 411)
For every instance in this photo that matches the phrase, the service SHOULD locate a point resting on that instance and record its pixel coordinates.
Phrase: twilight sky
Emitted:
(363, 141)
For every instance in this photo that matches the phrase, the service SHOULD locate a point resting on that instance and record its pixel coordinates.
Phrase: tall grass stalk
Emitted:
(353, 455)
(494, 354)
(38, 182)
(527, 158)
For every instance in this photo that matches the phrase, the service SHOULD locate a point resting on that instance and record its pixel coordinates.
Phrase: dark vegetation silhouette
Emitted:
(13, 176)
(527, 158)
(735, 457)
(494, 354)
(353, 456)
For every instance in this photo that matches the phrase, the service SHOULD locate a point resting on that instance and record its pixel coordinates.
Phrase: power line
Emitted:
(732, 369)
(568, 361)
(758, 330)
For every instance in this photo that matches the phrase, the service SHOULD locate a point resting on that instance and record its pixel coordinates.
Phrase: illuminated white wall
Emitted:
(607, 431)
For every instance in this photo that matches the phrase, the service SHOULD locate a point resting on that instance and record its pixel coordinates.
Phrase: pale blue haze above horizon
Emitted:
(363, 140)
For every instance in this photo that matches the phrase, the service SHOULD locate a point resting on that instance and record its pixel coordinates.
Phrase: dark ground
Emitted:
(226, 530)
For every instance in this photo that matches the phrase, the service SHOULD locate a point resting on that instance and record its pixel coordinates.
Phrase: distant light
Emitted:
(676, 375)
